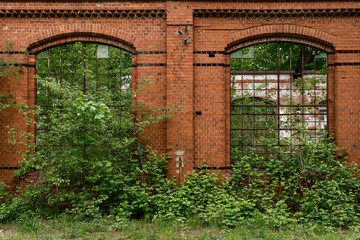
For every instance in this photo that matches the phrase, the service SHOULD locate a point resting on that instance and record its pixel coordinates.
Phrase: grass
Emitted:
(66, 227)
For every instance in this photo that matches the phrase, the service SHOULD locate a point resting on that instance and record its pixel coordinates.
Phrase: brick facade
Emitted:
(185, 46)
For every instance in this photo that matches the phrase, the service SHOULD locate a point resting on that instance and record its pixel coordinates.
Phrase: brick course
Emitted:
(196, 74)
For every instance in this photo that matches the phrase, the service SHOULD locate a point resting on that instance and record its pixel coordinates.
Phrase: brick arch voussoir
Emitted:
(285, 32)
(80, 32)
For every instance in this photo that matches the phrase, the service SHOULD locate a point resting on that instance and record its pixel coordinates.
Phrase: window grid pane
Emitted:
(276, 88)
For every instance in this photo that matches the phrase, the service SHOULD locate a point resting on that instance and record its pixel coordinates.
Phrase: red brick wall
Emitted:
(185, 74)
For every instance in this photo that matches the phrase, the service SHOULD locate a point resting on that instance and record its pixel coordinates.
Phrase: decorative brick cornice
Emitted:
(331, 12)
(111, 13)
(82, 13)
(80, 32)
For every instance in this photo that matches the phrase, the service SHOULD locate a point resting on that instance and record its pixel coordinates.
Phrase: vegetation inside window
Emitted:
(101, 73)
(252, 118)
(276, 89)
(89, 156)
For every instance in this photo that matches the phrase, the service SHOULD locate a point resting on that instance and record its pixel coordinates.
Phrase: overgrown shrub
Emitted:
(111, 172)
(205, 196)
(90, 162)
(311, 182)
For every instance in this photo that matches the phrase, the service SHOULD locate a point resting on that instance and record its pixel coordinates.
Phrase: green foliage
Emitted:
(282, 161)
(29, 223)
(80, 66)
(309, 182)
(6, 102)
(265, 105)
(310, 185)
(9, 207)
(292, 57)
(67, 227)
(204, 196)
(8, 70)
(90, 161)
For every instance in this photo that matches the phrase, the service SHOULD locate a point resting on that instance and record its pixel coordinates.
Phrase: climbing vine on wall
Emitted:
(9, 69)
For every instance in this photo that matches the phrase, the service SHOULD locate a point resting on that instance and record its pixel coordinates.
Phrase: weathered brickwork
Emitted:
(185, 46)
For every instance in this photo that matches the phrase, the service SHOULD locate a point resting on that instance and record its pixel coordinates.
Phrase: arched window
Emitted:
(91, 68)
(276, 88)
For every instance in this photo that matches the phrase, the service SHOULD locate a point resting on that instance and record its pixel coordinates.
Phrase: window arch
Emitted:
(276, 87)
(86, 66)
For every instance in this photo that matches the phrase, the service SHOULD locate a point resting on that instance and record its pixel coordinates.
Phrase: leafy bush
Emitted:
(205, 196)
(311, 183)
(9, 207)
(111, 172)
(89, 160)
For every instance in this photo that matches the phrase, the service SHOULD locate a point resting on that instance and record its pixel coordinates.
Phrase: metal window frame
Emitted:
(59, 76)
(253, 74)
